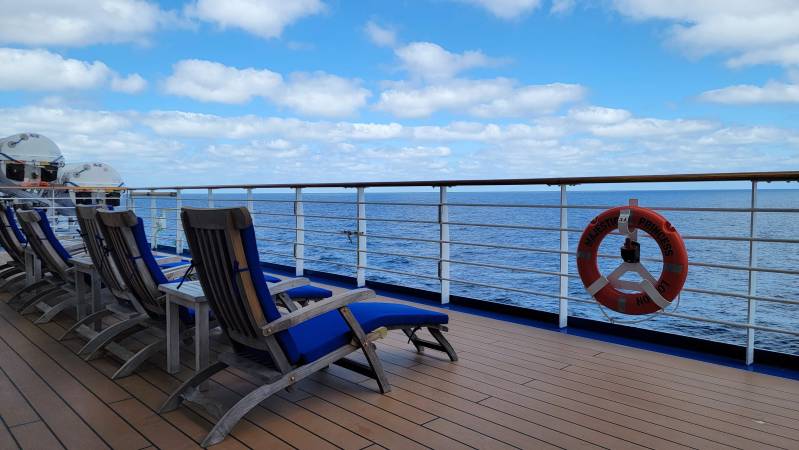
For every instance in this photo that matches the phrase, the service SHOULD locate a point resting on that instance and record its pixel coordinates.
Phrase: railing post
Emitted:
(210, 198)
(250, 202)
(563, 307)
(52, 201)
(361, 272)
(131, 201)
(153, 220)
(299, 239)
(443, 249)
(178, 224)
(751, 303)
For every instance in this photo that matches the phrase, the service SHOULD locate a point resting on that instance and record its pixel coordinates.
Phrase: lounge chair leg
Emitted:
(226, 423)
(31, 287)
(414, 340)
(441, 345)
(10, 279)
(53, 311)
(28, 306)
(177, 397)
(108, 335)
(9, 271)
(88, 319)
(140, 357)
(439, 336)
(369, 350)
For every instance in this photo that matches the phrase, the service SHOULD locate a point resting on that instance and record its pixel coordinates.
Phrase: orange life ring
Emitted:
(672, 276)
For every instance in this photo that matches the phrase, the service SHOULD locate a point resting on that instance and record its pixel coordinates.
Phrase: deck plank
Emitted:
(70, 429)
(155, 428)
(514, 387)
(7, 440)
(108, 426)
(627, 376)
(35, 435)
(720, 416)
(14, 409)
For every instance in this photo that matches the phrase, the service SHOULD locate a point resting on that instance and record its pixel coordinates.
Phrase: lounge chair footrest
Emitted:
(356, 367)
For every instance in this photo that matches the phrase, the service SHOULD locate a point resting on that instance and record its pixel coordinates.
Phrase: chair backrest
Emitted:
(44, 242)
(123, 233)
(95, 245)
(11, 237)
(225, 255)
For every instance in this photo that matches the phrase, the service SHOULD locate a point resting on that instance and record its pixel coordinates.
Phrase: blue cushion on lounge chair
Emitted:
(319, 336)
(269, 278)
(314, 338)
(44, 223)
(169, 265)
(12, 221)
(309, 292)
(146, 254)
(267, 305)
(302, 292)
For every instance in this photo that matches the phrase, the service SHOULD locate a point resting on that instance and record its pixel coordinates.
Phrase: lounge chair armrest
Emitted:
(316, 309)
(74, 247)
(173, 273)
(168, 259)
(284, 285)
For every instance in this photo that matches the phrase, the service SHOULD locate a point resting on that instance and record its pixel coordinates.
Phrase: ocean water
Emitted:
(337, 251)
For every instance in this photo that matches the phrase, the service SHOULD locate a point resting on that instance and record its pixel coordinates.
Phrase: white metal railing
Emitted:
(171, 199)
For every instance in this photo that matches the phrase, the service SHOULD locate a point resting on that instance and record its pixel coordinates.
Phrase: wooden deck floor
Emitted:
(514, 386)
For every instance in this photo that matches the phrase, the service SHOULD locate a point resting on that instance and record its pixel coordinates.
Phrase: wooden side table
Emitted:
(189, 294)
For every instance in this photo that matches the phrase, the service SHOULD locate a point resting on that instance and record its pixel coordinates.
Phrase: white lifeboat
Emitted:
(29, 159)
(91, 183)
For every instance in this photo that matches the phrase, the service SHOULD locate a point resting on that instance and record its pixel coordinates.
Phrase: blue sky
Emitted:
(234, 91)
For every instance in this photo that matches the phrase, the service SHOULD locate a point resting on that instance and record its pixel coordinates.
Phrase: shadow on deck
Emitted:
(514, 386)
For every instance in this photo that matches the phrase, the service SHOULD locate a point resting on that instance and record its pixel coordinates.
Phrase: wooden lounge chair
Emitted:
(55, 260)
(278, 349)
(133, 274)
(11, 240)
(130, 316)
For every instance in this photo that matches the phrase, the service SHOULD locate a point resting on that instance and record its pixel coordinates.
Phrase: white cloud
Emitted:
(599, 115)
(210, 81)
(195, 125)
(78, 22)
(264, 18)
(498, 97)
(40, 70)
(379, 35)
(771, 92)
(256, 151)
(749, 136)
(430, 61)
(130, 84)
(506, 9)
(754, 32)
(562, 6)
(321, 94)
(649, 127)
(410, 153)
(34, 70)
(588, 140)
(60, 120)
(318, 93)
(785, 55)
(86, 135)
(534, 99)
